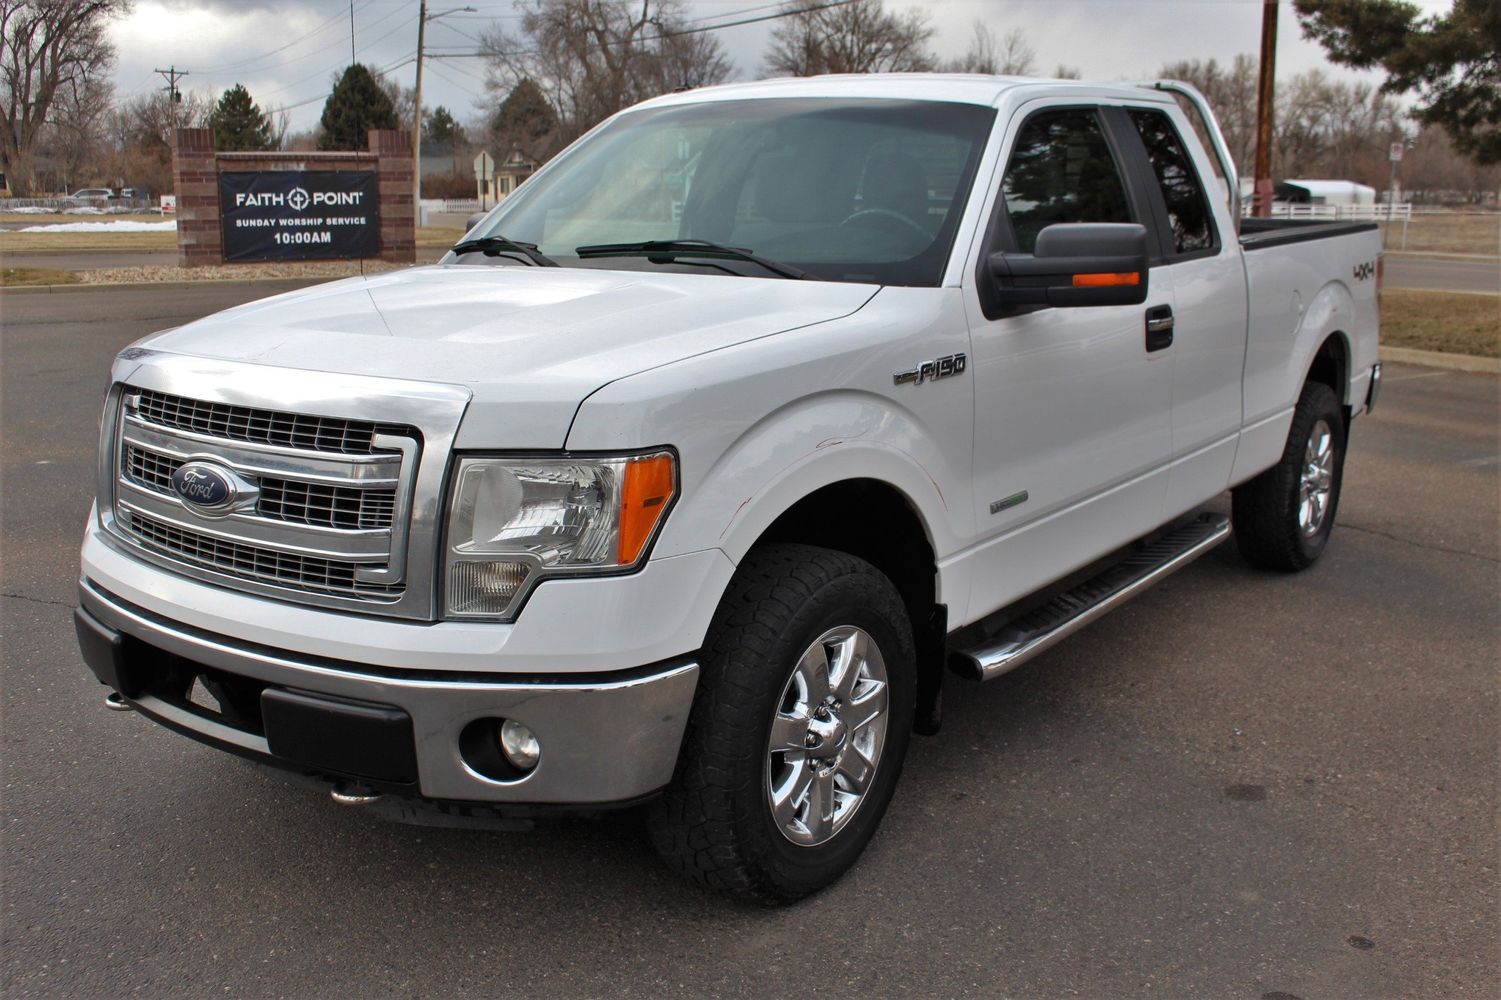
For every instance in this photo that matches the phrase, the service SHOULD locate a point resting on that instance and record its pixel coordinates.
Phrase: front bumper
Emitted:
(606, 738)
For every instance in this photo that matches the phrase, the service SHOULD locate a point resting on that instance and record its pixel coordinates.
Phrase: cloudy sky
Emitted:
(286, 51)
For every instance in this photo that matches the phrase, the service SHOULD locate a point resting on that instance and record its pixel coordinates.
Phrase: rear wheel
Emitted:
(799, 726)
(1284, 516)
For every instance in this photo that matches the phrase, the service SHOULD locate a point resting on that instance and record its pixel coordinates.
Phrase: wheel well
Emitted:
(1331, 365)
(874, 521)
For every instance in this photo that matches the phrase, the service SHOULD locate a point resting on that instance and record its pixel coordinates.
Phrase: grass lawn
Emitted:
(11, 276)
(1451, 232)
(1454, 322)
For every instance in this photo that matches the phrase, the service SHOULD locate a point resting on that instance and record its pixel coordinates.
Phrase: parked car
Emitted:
(687, 476)
(95, 197)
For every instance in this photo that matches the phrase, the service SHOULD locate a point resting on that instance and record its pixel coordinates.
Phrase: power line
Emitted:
(675, 33)
(410, 58)
(368, 45)
(282, 48)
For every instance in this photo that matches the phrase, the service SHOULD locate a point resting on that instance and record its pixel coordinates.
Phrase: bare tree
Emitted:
(140, 132)
(592, 58)
(861, 37)
(52, 52)
(1065, 72)
(1017, 56)
(982, 56)
(1321, 127)
(1231, 92)
(1010, 56)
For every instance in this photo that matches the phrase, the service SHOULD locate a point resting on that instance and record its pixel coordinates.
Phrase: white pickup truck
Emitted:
(684, 479)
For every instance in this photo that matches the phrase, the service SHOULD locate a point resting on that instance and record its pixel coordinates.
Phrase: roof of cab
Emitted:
(952, 87)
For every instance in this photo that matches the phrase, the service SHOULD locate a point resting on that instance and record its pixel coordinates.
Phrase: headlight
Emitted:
(514, 521)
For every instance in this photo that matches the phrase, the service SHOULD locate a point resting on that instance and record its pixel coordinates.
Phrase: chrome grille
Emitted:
(250, 562)
(283, 499)
(332, 506)
(326, 499)
(272, 427)
(150, 469)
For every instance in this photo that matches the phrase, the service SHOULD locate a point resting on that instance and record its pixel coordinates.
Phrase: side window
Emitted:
(1062, 170)
(1187, 207)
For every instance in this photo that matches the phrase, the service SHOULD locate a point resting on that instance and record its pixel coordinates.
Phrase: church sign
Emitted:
(299, 215)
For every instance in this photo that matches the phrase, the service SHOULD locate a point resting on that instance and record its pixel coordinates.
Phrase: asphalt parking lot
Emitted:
(1239, 785)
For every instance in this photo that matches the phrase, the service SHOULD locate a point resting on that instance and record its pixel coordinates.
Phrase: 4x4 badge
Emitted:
(938, 368)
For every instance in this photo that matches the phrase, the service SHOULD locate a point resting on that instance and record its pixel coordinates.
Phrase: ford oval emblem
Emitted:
(205, 487)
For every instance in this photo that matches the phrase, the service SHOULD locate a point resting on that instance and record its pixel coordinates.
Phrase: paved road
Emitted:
(1240, 785)
(1444, 274)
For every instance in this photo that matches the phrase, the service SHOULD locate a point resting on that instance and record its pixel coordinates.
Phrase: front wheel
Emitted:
(1284, 516)
(801, 720)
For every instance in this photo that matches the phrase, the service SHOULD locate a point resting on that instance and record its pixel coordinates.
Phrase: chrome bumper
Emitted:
(605, 739)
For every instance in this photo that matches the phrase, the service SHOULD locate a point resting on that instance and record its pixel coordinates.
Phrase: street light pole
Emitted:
(422, 18)
(417, 123)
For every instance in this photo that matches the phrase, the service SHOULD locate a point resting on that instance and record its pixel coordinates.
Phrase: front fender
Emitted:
(761, 425)
(810, 444)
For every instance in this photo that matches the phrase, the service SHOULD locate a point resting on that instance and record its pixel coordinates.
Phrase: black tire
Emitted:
(714, 823)
(1269, 526)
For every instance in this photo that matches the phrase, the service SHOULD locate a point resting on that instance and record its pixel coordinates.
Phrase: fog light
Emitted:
(519, 745)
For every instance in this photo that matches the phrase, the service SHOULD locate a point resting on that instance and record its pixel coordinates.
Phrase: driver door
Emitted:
(1073, 428)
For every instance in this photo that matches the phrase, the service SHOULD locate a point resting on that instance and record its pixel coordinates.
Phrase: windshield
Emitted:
(847, 190)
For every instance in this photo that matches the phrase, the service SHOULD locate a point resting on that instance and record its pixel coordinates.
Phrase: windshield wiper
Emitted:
(496, 246)
(668, 249)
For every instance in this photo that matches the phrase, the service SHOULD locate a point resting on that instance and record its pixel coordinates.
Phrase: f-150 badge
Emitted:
(931, 370)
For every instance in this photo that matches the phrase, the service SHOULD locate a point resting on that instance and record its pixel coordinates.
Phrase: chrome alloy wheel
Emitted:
(1316, 484)
(827, 736)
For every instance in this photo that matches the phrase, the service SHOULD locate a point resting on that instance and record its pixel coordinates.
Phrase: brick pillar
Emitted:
(395, 176)
(195, 179)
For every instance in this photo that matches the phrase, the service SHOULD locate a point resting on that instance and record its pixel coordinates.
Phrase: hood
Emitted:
(530, 343)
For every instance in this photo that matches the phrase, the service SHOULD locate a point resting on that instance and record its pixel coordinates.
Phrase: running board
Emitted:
(1070, 611)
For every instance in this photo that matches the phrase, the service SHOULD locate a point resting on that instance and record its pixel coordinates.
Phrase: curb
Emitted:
(1438, 359)
(1436, 255)
(170, 286)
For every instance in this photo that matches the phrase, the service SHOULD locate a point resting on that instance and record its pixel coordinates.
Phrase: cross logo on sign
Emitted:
(298, 198)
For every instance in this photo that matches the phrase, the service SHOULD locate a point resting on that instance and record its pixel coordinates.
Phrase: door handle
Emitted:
(1159, 328)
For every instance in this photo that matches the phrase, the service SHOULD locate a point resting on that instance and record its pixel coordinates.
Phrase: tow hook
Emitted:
(115, 702)
(353, 795)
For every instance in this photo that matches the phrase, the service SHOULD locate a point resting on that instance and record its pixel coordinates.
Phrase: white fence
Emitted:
(1400, 212)
(76, 206)
(454, 205)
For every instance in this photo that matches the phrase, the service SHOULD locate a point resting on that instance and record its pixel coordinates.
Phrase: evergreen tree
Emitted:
(526, 121)
(238, 123)
(1451, 59)
(440, 128)
(357, 105)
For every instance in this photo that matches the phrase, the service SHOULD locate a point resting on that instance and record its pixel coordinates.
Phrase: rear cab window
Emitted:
(1188, 223)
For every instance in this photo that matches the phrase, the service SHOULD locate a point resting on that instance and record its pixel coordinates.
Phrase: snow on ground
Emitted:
(119, 226)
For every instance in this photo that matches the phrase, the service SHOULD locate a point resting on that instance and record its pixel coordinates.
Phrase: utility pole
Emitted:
(1261, 198)
(174, 96)
(351, 32)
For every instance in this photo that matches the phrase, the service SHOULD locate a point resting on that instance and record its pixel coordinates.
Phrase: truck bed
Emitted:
(1258, 234)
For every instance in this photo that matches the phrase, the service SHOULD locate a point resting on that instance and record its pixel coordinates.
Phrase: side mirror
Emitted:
(473, 220)
(1076, 264)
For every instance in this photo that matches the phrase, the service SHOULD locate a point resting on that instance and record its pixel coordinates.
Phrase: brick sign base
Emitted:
(196, 166)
